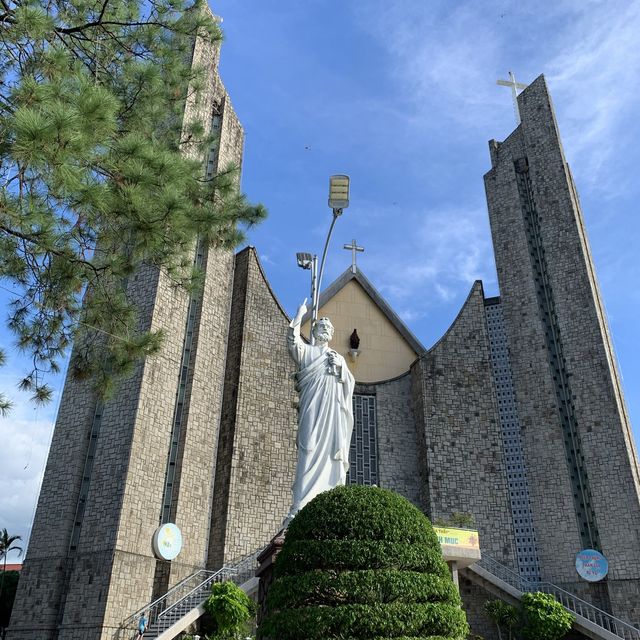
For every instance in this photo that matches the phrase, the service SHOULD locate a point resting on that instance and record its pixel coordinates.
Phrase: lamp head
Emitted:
(339, 192)
(305, 260)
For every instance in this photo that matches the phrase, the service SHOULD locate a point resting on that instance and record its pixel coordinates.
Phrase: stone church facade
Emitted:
(515, 415)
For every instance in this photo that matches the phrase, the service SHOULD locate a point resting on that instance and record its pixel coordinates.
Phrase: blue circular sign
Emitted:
(591, 565)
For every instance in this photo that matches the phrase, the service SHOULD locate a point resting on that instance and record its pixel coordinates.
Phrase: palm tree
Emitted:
(503, 615)
(6, 545)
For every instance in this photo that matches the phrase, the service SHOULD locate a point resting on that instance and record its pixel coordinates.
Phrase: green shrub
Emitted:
(461, 519)
(362, 562)
(231, 610)
(545, 617)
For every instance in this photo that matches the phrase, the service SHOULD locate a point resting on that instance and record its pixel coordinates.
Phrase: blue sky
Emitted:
(402, 97)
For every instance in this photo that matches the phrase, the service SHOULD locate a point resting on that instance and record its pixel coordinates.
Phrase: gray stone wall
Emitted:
(474, 598)
(42, 578)
(419, 414)
(205, 389)
(257, 454)
(125, 493)
(220, 502)
(398, 453)
(602, 423)
(550, 489)
(193, 494)
(453, 391)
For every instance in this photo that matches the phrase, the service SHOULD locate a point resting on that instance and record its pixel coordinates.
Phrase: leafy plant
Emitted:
(503, 615)
(461, 519)
(362, 562)
(545, 618)
(231, 610)
(7, 543)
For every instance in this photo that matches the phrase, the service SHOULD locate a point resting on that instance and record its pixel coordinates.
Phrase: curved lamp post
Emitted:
(338, 200)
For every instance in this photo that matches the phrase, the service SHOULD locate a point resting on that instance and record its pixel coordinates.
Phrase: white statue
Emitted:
(325, 412)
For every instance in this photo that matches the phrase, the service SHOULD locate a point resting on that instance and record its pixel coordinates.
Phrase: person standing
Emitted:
(142, 626)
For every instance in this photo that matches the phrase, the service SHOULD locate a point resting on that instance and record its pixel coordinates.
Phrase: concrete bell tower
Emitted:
(117, 470)
(582, 467)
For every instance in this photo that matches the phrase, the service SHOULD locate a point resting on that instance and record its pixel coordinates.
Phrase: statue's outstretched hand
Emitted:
(302, 309)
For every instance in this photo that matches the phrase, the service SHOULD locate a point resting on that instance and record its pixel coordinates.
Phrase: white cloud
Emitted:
(445, 59)
(410, 315)
(594, 76)
(440, 55)
(447, 250)
(25, 436)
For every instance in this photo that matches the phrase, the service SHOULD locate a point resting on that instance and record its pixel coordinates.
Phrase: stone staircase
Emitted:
(183, 604)
(590, 621)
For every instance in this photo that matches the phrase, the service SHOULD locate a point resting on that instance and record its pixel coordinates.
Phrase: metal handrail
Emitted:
(158, 611)
(130, 622)
(222, 573)
(568, 600)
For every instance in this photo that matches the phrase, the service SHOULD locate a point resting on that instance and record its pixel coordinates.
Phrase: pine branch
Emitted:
(93, 120)
(61, 254)
(104, 8)
(116, 23)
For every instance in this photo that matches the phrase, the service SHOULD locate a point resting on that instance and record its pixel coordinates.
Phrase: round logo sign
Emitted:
(591, 565)
(167, 541)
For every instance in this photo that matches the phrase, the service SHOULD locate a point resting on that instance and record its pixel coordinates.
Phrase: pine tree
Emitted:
(94, 178)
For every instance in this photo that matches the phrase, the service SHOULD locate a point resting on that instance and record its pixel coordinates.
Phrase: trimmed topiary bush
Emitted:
(362, 562)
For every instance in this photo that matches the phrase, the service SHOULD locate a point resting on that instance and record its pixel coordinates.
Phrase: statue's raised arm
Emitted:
(325, 411)
(302, 309)
(295, 343)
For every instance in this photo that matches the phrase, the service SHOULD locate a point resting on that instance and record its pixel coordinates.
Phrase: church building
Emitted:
(514, 416)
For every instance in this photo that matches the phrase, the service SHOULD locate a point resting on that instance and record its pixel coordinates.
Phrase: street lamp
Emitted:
(338, 200)
(310, 261)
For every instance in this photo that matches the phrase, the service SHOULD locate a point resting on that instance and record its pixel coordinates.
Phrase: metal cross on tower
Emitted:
(511, 82)
(353, 247)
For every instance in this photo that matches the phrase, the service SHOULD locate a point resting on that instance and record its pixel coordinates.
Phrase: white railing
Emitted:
(183, 598)
(570, 601)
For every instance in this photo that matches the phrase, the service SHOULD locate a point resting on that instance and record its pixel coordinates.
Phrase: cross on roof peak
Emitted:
(354, 248)
(511, 82)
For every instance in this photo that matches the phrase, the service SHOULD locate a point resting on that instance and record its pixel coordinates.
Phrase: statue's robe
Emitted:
(325, 419)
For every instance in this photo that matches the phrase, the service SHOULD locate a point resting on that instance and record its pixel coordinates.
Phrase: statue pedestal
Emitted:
(265, 570)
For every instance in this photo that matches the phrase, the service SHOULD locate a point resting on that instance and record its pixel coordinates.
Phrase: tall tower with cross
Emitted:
(566, 384)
